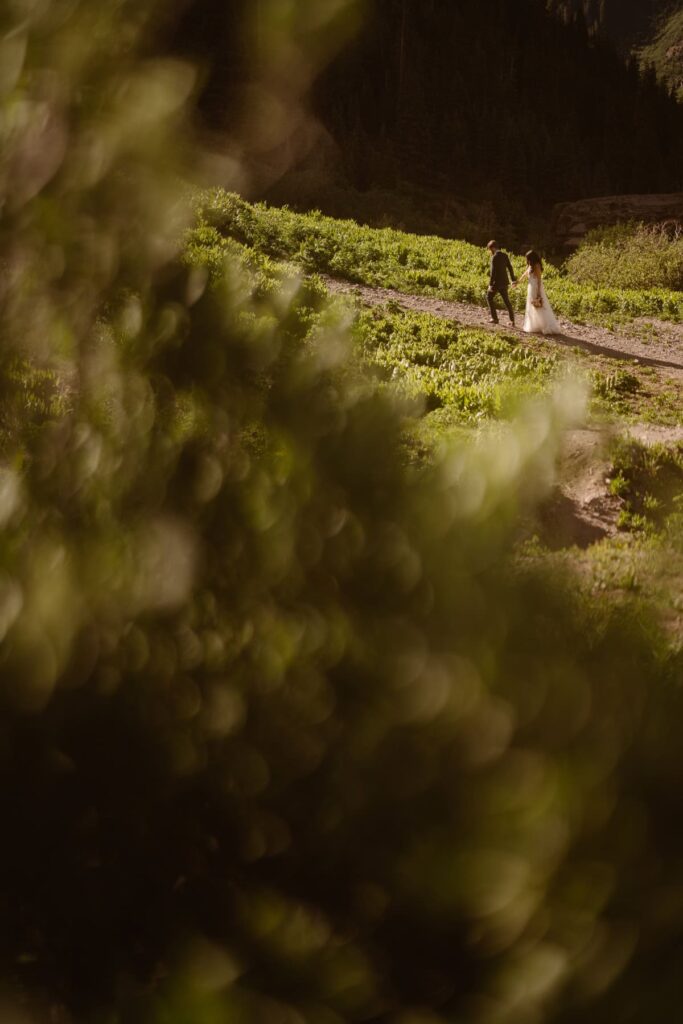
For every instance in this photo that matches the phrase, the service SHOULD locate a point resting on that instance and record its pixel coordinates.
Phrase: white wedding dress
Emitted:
(539, 319)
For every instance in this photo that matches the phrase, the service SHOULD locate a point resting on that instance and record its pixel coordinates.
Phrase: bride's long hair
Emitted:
(534, 260)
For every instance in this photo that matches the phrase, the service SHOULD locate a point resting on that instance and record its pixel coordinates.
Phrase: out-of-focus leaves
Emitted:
(286, 734)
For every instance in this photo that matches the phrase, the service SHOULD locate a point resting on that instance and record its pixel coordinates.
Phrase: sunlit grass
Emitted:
(419, 264)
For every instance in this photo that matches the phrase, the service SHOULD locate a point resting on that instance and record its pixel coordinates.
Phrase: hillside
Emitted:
(426, 265)
(529, 112)
(665, 53)
(420, 330)
(627, 23)
(421, 100)
(652, 29)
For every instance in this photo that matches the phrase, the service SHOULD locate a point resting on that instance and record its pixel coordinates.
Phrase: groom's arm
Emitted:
(510, 270)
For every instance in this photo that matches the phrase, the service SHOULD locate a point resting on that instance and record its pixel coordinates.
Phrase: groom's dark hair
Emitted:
(493, 244)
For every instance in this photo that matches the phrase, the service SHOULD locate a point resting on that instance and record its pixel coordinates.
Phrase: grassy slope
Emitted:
(462, 375)
(453, 376)
(421, 264)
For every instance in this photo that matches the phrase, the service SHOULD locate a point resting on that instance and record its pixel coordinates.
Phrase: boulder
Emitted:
(572, 221)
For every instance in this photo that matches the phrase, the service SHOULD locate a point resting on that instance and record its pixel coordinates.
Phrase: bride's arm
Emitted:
(521, 277)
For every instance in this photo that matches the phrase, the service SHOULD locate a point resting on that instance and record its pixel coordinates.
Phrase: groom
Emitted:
(498, 281)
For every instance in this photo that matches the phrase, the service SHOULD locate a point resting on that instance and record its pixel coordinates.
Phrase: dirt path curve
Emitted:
(662, 349)
(581, 509)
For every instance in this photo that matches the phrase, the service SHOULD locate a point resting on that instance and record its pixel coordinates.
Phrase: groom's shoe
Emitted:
(512, 321)
(492, 321)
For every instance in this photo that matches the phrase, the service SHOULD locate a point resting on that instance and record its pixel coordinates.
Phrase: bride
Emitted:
(539, 317)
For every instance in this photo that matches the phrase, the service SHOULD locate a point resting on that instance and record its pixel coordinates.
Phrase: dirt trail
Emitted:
(581, 509)
(650, 342)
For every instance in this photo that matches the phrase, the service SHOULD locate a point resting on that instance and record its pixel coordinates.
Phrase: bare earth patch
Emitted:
(581, 509)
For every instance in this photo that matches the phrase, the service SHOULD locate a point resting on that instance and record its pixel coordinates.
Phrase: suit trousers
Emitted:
(501, 290)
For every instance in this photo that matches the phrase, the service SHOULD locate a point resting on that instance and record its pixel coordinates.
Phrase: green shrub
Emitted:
(633, 256)
(620, 382)
(650, 480)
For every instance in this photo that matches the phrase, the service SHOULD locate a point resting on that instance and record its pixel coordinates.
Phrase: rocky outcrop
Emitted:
(571, 221)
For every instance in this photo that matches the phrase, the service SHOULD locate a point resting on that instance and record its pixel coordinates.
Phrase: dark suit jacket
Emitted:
(500, 268)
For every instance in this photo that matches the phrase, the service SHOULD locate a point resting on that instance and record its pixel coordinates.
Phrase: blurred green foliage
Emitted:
(287, 734)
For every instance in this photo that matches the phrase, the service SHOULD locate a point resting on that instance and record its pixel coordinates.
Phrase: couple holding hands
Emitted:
(538, 317)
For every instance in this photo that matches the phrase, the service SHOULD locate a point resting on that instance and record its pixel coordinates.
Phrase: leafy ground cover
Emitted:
(641, 565)
(637, 569)
(636, 394)
(460, 375)
(452, 376)
(456, 379)
(649, 479)
(479, 374)
(421, 264)
(629, 256)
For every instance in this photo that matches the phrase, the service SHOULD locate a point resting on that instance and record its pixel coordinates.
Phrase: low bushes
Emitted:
(426, 264)
(630, 256)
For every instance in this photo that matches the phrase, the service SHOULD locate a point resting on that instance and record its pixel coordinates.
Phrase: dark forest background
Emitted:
(518, 104)
(627, 23)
